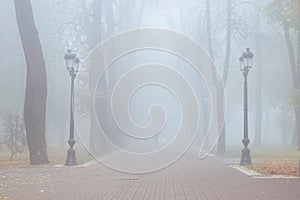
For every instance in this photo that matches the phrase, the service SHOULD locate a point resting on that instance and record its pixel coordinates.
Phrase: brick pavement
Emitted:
(187, 179)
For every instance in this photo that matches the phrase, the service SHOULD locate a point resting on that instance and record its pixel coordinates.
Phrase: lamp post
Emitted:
(72, 62)
(246, 61)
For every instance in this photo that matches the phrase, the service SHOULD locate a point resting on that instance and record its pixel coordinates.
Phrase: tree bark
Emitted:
(109, 17)
(221, 147)
(284, 124)
(295, 74)
(291, 54)
(259, 77)
(36, 84)
(228, 42)
(208, 30)
(222, 139)
(297, 77)
(95, 38)
(218, 84)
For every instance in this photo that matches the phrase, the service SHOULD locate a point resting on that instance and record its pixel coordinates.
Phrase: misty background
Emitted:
(82, 24)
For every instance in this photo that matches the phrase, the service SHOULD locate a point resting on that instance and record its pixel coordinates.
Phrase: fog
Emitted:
(82, 24)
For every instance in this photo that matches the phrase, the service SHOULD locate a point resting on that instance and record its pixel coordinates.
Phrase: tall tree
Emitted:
(221, 148)
(36, 83)
(232, 23)
(228, 41)
(222, 139)
(297, 78)
(287, 15)
(208, 30)
(95, 37)
(259, 76)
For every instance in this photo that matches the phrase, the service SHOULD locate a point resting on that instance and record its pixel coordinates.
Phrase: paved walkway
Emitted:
(188, 179)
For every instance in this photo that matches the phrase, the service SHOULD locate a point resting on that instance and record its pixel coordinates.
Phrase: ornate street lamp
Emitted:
(72, 62)
(246, 61)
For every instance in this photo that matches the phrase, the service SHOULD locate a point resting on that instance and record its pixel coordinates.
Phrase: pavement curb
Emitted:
(254, 174)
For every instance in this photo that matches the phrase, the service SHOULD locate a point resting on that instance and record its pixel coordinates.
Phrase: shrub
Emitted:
(14, 138)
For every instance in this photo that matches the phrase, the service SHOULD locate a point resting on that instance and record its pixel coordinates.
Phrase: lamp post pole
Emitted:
(72, 63)
(246, 64)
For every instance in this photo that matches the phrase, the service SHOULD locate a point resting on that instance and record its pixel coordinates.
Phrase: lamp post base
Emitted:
(71, 157)
(246, 158)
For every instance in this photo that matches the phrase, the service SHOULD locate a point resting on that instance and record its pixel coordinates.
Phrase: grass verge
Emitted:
(56, 157)
(270, 160)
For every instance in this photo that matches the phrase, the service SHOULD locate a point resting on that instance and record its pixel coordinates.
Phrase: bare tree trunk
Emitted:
(297, 134)
(221, 127)
(295, 74)
(294, 136)
(259, 76)
(101, 9)
(95, 38)
(222, 139)
(284, 124)
(208, 30)
(228, 42)
(221, 148)
(36, 84)
(267, 123)
(109, 17)
(297, 77)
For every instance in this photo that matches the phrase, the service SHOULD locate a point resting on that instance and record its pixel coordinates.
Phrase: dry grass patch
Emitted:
(276, 166)
(270, 160)
(56, 157)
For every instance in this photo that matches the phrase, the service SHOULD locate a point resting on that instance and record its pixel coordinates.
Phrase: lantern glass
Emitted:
(246, 59)
(69, 58)
(241, 62)
(245, 62)
(76, 64)
(70, 63)
(250, 62)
